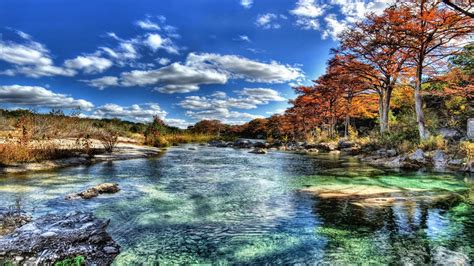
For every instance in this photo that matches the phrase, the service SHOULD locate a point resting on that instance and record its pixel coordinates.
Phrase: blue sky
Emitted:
(184, 60)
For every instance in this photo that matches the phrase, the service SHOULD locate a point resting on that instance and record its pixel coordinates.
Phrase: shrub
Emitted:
(108, 138)
(433, 143)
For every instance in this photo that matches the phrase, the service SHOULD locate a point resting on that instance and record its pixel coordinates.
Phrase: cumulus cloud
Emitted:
(246, 3)
(170, 89)
(136, 112)
(180, 123)
(30, 58)
(220, 106)
(163, 61)
(90, 64)
(175, 74)
(207, 68)
(244, 68)
(102, 82)
(308, 14)
(334, 27)
(34, 96)
(268, 21)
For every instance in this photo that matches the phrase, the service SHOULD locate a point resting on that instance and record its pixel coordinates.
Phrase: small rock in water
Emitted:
(192, 148)
(258, 151)
(93, 192)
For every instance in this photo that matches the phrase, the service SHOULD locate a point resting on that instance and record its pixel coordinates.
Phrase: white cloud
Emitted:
(163, 61)
(243, 68)
(90, 64)
(244, 38)
(136, 112)
(102, 82)
(40, 97)
(146, 24)
(154, 41)
(334, 27)
(125, 52)
(174, 74)
(180, 123)
(268, 21)
(309, 12)
(30, 58)
(170, 89)
(246, 3)
(208, 68)
(308, 8)
(306, 13)
(220, 106)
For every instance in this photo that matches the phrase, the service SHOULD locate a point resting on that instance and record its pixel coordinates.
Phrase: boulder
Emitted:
(243, 143)
(218, 143)
(93, 192)
(418, 156)
(312, 150)
(310, 146)
(470, 128)
(344, 144)
(327, 146)
(52, 238)
(391, 153)
(449, 133)
(381, 152)
(260, 144)
(258, 151)
(439, 159)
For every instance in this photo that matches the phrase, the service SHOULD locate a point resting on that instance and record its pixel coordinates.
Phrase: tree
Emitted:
(211, 127)
(464, 10)
(432, 33)
(371, 51)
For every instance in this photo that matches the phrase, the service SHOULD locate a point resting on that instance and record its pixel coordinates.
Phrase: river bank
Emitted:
(122, 151)
(436, 160)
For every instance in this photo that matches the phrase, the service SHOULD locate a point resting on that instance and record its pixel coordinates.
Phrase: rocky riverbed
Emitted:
(53, 238)
(437, 160)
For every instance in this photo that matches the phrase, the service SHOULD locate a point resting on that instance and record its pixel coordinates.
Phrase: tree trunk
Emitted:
(420, 117)
(384, 109)
(346, 126)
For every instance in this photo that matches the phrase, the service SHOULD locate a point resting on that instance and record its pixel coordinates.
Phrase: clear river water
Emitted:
(227, 206)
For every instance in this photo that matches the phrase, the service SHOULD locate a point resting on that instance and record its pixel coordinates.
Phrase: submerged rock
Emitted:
(444, 256)
(258, 151)
(93, 192)
(54, 237)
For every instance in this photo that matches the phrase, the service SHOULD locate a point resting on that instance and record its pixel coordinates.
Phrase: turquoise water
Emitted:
(226, 206)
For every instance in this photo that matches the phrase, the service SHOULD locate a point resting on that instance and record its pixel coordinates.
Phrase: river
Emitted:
(227, 206)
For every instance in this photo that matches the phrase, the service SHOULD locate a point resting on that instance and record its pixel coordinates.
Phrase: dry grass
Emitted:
(11, 153)
(178, 138)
